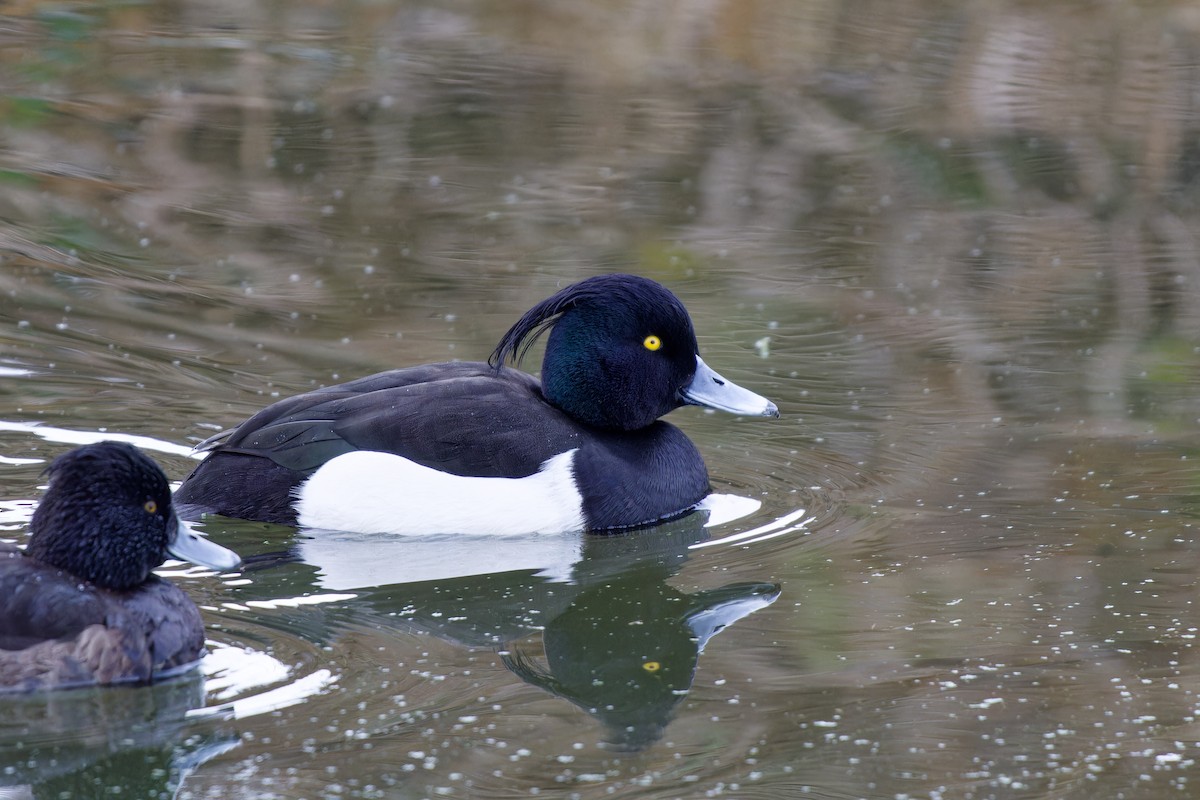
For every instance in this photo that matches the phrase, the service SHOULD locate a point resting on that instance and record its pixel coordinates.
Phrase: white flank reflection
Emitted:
(347, 561)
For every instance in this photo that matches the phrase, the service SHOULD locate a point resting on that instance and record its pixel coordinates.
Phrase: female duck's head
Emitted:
(622, 353)
(107, 518)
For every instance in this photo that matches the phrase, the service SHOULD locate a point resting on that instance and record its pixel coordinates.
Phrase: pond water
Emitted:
(955, 244)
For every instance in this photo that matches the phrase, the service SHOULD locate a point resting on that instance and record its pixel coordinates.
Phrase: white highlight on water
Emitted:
(725, 508)
(67, 436)
(779, 527)
(229, 671)
(232, 670)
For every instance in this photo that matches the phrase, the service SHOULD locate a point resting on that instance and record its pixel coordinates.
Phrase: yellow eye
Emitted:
(151, 507)
(651, 666)
(652, 342)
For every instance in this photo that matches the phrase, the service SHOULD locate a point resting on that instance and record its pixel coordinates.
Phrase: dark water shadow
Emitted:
(106, 742)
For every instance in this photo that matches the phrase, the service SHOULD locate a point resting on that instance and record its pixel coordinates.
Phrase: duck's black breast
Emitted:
(639, 477)
(57, 630)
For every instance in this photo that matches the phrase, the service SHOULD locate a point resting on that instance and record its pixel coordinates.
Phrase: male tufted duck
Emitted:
(469, 447)
(80, 605)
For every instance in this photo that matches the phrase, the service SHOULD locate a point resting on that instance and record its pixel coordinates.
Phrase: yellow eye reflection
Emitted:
(652, 666)
(652, 342)
(151, 507)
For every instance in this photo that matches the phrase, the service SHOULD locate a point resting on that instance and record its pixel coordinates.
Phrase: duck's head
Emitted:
(107, 517)
(621, 353)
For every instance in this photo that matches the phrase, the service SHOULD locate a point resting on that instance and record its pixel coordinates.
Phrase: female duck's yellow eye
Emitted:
(651, 666)
(652, 342)
(151, 507)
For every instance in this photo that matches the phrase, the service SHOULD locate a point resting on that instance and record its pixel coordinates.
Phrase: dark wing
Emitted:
(481, 425)
(40, 603)
(463, 418)
(57, 631)
(169, 622)
(274, 427)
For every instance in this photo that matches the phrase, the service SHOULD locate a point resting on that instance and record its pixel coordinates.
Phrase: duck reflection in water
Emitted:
(626, 650)
(616, 639)
(115, 742)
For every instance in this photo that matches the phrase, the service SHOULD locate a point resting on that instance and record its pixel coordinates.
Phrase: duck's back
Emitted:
(57, 630)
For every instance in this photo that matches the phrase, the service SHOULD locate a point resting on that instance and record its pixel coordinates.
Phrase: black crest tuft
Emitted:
(617, 291)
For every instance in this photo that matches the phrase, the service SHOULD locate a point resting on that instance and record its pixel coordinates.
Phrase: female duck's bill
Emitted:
(186, 545)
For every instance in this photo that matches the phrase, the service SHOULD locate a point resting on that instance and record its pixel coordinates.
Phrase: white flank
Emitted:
(373, 492)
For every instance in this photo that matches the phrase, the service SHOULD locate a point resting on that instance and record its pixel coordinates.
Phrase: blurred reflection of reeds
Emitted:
(1009, 186)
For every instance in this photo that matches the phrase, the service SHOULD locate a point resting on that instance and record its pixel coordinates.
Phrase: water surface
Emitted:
(955, 245)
